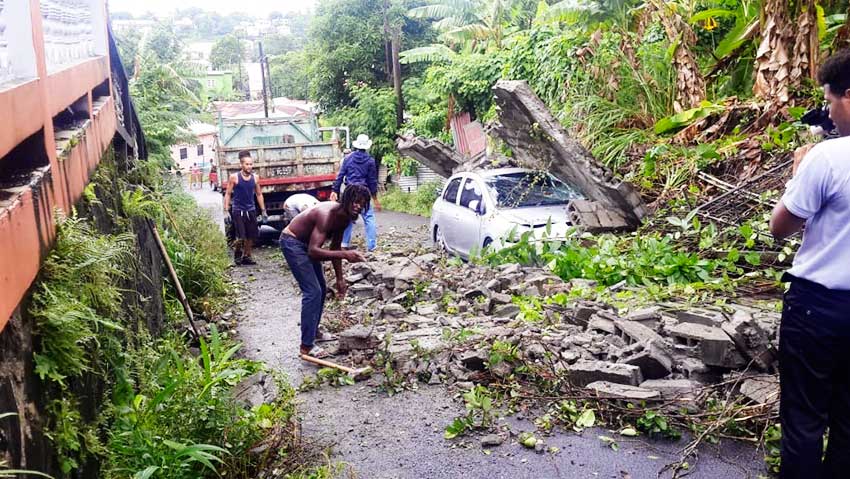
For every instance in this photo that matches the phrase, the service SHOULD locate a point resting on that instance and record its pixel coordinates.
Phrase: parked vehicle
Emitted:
(490, 208)
(290, 155)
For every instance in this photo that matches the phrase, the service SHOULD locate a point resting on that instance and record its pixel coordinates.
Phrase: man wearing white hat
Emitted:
(359, 168)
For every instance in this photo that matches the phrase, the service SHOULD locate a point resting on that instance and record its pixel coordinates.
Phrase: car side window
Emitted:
(470, 196)
(451, 191)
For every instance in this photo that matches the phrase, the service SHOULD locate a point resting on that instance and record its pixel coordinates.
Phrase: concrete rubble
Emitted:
(448, 323)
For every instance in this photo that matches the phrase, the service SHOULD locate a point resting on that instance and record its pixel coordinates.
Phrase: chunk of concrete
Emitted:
(583, 373)
(539, 141)
(654, 362)
(598, 323)
(671, 388)
(715, 346)
(635, 332)
(751, 340)
(705, 317)
(363, 291)
(393, 310)
(357, 338)
(623, 391)
(491, 440)
(506, 311)
(475, 360)
(761, 389)
(255, 390)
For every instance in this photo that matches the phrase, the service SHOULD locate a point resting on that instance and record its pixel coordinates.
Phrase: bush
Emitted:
(417, 203)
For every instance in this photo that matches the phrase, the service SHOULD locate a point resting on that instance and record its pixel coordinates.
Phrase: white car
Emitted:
(488, 208)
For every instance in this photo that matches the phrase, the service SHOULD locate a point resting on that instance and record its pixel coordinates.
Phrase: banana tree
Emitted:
(690, 83)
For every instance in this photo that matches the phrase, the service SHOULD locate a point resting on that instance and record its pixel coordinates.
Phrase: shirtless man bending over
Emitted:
(302, 243)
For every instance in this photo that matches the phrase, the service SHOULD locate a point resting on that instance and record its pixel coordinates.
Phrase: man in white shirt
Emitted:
(297, 204)
(814, 366)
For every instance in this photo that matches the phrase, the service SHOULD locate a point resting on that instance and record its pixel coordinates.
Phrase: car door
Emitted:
(449, 214)
(470, 208)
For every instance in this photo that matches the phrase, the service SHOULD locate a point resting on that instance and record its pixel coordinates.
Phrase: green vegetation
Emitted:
(416, 203)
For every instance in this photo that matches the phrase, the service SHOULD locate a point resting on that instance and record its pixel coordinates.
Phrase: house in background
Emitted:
(201, 152)
(215, 85)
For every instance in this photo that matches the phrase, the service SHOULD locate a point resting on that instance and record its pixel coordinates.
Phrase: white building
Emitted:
(201, 152)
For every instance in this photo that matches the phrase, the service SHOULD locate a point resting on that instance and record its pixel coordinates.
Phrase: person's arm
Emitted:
(341, 285)
(373, 185)
(227, 193)
(338, 182)
(259, 193)
(807, 191)
(317, 240)
(783, 223)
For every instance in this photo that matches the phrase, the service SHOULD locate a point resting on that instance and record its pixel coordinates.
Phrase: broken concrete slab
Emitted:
(671, 388)
(393, 310)
(715, 346)
(636, 332)
(475, 360)
(654, 362)
(255, 390)
(583, 373)
(506, 311)
(491, 440)
(434, 154)
(598, 323)
(538, 141)
(357, 338)
(751, 340)
(363, 291)
(706, 317)
(623, 391)
(761, 389)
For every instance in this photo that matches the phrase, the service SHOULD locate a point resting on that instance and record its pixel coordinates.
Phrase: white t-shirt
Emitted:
(300, 202)
(820, 194)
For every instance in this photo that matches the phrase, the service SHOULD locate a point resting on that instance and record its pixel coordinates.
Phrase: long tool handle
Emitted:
(180, 294)
(327, 364)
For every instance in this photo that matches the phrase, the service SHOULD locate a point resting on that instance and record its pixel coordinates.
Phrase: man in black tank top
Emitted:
(242, 187)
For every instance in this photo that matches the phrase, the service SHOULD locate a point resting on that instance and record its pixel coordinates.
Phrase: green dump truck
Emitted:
(291, 155)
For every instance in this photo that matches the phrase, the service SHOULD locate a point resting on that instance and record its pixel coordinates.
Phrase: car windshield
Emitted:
(530, 188)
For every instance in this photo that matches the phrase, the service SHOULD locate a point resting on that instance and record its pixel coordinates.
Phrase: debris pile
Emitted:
(457, 323)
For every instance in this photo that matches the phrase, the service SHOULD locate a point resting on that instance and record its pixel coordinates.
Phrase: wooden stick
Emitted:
(180, 294)
(328, 364)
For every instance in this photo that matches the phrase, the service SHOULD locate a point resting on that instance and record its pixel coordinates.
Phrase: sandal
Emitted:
(324, 336)
(317, 352)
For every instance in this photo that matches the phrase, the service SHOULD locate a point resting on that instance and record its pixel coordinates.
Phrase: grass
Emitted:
(416, 203)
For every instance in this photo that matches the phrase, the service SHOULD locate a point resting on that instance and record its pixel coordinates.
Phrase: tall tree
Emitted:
(773, 62)
(226, 53)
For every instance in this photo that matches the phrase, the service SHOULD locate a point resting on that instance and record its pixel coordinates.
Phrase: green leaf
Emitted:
(456, 428)
(753, 257)
(734, 39)
(629, 431)
(586, 419)
(711, 13)
(147, 473)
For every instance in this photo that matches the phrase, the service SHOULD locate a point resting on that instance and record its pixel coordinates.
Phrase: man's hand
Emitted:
(227, 218)
(334, 196)
(353, 256)
(376, 203)
(341, 288)
(265, 216)
(799, 154)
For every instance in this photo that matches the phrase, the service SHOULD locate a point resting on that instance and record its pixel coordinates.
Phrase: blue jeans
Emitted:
(311, 281)
(371, 230)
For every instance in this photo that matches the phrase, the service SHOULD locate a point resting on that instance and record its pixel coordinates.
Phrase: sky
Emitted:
(259, 8)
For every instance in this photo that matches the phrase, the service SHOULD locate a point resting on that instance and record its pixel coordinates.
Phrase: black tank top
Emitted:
(243, 193)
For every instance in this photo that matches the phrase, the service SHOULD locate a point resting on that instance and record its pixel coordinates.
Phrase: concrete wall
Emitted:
(22, 440)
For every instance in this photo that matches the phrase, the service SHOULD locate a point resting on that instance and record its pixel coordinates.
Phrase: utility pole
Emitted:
(387, 42)
(396, 45)
(263, 76)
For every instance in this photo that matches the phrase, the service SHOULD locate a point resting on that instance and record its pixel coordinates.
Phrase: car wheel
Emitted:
(440, 240)
(487, 243)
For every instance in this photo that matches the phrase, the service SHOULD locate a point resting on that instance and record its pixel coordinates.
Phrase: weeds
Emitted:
(417, 203)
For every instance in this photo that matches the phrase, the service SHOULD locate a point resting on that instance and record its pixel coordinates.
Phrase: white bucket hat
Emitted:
(362, 142)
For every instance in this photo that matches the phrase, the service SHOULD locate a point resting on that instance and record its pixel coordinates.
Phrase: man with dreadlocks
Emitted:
(302, 243)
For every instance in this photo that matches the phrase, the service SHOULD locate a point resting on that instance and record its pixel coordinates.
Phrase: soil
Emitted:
(401, 436)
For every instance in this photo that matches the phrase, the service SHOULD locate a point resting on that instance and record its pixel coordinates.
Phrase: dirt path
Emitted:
(401, 436)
